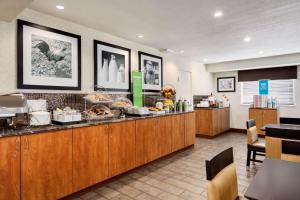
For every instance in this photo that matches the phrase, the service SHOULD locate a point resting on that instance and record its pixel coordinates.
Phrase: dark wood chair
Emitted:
(290, 150)
(221, 176)
(289, 120)
(255, 146)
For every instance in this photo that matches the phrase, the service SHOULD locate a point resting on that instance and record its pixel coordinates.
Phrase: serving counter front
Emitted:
(52, 162)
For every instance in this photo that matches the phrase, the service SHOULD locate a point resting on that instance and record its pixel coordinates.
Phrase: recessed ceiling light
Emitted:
(261, 52)
(205, 59)
(218, 14)
(141, 36)
(60, 7)
(247, 39)
(182, 51)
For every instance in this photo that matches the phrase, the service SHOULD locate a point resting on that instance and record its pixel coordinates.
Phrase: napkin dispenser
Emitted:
(38, 112)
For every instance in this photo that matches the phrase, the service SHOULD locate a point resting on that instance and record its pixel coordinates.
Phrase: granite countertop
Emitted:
(210, 108)
(52, 127)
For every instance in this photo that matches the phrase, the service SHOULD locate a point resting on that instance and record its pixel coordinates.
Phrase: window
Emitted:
(282, 89)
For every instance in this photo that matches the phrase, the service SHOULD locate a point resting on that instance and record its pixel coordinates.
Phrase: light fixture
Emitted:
(182, 51)
(60, 7)
(141, 36)
(218, 14)
(247, 39)
(261, 52)
(205, 59)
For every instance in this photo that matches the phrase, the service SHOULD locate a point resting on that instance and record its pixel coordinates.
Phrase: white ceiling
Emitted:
(9, 9)
(189, 25)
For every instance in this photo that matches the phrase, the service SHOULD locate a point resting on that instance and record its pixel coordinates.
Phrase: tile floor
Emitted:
(180, 176)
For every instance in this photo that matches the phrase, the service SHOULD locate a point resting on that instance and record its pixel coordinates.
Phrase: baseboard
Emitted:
(237, 130)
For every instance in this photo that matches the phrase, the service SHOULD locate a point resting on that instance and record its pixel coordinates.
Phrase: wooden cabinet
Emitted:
(164, 136)
(263, 116)
(55, 164)
(10, 168)
(46, 168)
(121, 147)
(178, 134)
(146, 141)
(211, 122)
(190, 129)
(90, 156)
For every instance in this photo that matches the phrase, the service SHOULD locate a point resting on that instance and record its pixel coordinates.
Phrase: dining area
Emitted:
(275, 155)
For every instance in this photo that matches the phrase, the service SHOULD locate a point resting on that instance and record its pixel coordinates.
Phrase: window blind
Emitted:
(282, 89)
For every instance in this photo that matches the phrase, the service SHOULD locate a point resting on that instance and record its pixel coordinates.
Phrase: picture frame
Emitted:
(112, 67)
(226, 84)
(47, 58)
(151, 67)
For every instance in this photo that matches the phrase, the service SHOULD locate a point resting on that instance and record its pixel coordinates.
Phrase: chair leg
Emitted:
(248, 158)
(254, 157)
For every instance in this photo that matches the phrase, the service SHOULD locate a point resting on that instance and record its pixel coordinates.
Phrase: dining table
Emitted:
(275, 180)
(281, 126)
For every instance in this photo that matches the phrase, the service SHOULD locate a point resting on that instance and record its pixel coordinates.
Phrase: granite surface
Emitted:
(52, 127)
(209, 108)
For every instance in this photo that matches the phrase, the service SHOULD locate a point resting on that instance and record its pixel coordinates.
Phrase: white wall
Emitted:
(239, 113)
(202, 80)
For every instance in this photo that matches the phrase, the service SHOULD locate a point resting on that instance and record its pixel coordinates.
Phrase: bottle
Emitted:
(104, 71)
(112, 69)
(179, 105)
(185, 106)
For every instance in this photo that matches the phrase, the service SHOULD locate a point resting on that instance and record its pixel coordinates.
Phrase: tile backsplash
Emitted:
(76, 101)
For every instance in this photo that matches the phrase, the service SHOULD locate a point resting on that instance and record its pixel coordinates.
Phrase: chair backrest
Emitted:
(290, 150)
(251, 131)
(221, 176)
(289, 120)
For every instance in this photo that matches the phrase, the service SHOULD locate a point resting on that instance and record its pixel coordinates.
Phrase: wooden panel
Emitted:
(121, 147)
(164, 135)
(190, 129)
(46, 168)
(204, 121)
(270, 116)
(90, 156)
(273, 147)
(216, 122)
(257, 114)
(177, 132)
(10, 168)
(146, 141)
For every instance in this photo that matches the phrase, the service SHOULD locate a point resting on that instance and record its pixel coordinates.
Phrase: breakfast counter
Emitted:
(53, 127)
(57, 161)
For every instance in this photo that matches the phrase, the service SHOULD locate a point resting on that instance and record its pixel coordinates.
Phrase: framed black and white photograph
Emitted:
(112, 67)
(152, 68)
(226, 84)
(48, 58)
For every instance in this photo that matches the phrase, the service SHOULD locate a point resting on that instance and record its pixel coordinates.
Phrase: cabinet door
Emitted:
(204, 122)
(270, 116)
(121, 147)
(190, 129)
(256, 114)
(146, 141)
(46, 168)
(164, 136)
(178, 132)
(90, 156)
(10, 168)
(216, 122)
